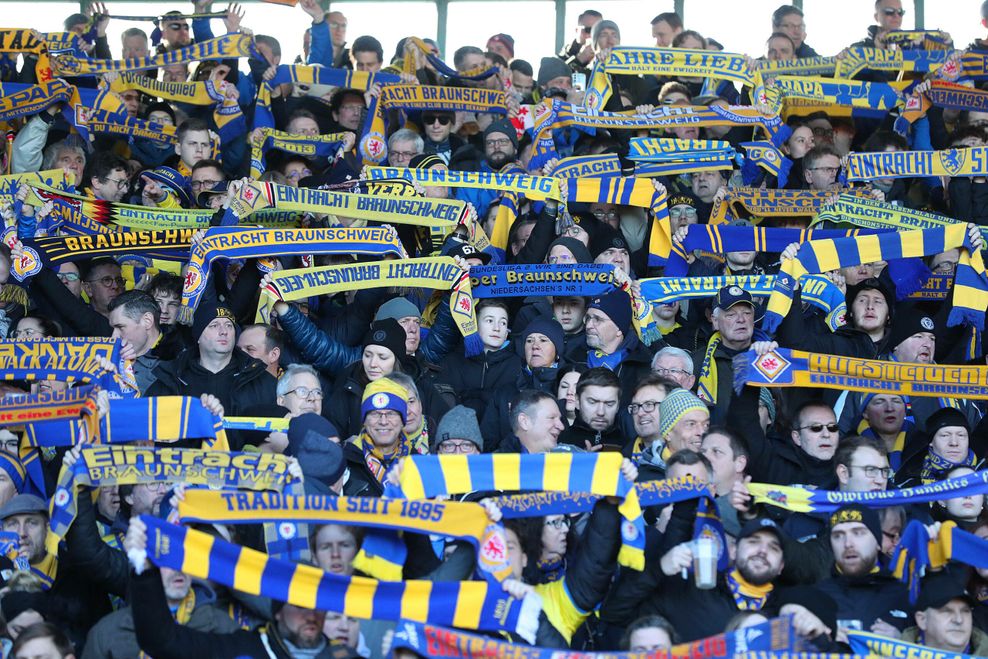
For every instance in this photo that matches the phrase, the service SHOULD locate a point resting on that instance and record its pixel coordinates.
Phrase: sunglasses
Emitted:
(818, 427)
(443, 120)
(889, 11)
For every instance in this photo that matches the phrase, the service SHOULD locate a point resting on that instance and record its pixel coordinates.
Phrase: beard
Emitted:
(499, 159)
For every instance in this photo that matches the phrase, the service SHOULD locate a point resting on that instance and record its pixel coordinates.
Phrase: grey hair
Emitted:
(405, 381)
(682, 355)
(406, 135)
(52, 151)
(291, 372)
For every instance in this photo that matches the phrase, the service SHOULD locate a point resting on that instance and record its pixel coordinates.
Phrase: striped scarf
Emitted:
(970, 281)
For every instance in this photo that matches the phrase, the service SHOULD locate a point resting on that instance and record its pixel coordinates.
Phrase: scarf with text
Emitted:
(533, 187)
(252, 196)
(768, 202)
(827, 92)
(553, 114)
(970, 297)
(876, 645)
(103, 122)
(800, 499)
(230, 46)
(462, 521)
(766, 156)
(313, 75)
(426, 640)
(668, 156)
(942, 94)
(650, 493)
(307, 146)
(435, 272)
(442, 67)
(170, 244)
(192, 93)
(247, 242)
(46, 406)
(971, 161)
(582, 279)
(802, 66)
(795, 368)
(817, 290)
(428, 476)
(68, 360)
(465, 604)
(856, 60)
(373, 144)
(916, 552)
(928, 39)
(127, 465)
(604, 164)
(668, 62)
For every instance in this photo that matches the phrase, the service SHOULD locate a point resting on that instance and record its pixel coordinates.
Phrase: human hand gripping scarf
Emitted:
(970, 281)
(475, 605)
(458, 520)
(434, 272)
(129, 465)
(427, 476)
(248, 242)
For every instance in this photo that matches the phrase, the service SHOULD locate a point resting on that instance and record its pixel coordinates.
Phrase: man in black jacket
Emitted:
(597, 396)
(867, 599)
(294, 632)
(216, 365)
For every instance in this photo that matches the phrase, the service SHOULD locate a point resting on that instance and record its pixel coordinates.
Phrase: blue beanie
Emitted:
(616, 305)
(545, 325)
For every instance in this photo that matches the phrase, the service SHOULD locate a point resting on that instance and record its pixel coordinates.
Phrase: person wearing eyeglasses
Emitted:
(108, 177)
(888, 18)
(300, 390)
(500, 148)
(458, 433)
(820, 168)
(788, 19)
(648, 447)
(403, 145)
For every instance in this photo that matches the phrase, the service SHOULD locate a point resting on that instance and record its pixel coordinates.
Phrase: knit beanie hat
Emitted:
(946, 417)
(858, 513)
(502, 126)
(397, 308)
(207, 312)
(308, 426)
(548, 326)
(603, 25)
(550, 68)
(676, 405)
(576, 248)
(909, 320)
(388, 334)
(616, 305)
(459, 423)
(384, 394)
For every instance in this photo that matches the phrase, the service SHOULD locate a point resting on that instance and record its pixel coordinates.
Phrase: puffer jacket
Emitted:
(330, 356)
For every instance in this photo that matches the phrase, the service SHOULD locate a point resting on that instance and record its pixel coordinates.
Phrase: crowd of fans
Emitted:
(555, 374)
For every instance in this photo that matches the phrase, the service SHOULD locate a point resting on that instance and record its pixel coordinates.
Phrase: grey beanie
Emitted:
(603, 25)
(397, 308)
(552, 67)
(459, 423)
